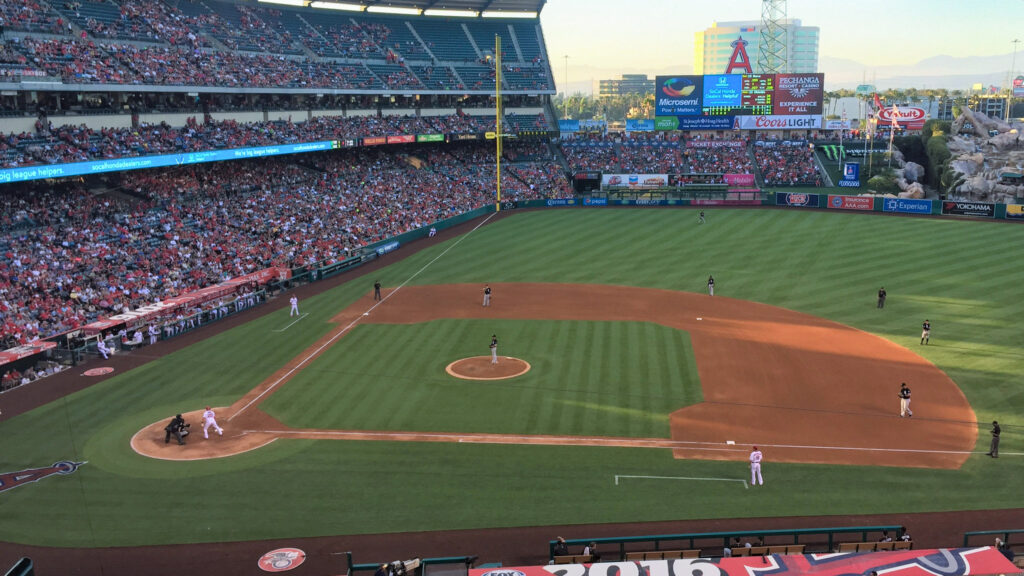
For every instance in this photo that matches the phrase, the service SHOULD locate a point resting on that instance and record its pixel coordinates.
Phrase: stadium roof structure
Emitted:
(474, 5)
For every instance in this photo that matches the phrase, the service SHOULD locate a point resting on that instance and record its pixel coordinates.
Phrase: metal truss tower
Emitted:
(772, 54)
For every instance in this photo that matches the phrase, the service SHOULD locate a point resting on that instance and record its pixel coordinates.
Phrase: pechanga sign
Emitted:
(798, 94)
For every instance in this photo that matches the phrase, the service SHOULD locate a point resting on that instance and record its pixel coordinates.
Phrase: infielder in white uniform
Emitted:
(755, 467)
(295, 306)
(494, 349)
(210, 419)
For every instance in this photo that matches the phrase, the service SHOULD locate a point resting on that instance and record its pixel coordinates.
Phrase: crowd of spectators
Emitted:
(719, 159)
(786, 163)
(50, 144)
(640, 152)
(30, 16)
(594, 151)
(70, 256)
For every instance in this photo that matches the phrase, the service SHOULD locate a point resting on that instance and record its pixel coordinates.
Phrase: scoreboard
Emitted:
(757, 93)
(739, 94)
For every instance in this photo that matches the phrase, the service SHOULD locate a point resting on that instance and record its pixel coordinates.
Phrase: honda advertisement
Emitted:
(985, 209)
(799, 94)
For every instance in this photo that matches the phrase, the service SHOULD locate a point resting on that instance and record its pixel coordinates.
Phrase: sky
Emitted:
(605, 38)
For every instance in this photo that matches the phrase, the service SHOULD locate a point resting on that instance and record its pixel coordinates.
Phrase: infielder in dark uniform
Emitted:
(881, 297)
(711, 285)
(905, 401)
(376, 290)
(487, 295)
(926, 331)
(993, 449)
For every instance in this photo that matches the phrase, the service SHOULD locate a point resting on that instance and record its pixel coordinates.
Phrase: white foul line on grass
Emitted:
(301, 316)
(745, 486)
(351, 324)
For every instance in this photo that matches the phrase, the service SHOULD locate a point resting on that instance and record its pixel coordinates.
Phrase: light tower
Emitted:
(773, 54)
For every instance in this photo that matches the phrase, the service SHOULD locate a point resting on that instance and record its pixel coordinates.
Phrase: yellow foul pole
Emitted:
(497, 113)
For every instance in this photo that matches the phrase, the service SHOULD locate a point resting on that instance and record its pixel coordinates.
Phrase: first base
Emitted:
(366, 313)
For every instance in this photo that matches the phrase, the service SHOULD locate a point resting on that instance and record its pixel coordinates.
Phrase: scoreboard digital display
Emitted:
(739, 94)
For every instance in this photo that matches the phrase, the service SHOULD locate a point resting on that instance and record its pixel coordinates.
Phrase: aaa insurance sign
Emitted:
(909, 118)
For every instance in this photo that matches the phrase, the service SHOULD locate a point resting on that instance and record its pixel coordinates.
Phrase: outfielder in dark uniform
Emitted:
(881, 297)
(993, 449)
(926, 331)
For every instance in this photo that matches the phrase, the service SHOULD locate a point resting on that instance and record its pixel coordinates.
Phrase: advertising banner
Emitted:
(928, 562)
(463, 137)
(389, 247)
(837, 125)
(799, 94)
(639, 125)
(1018, 87)
(791, 199)
(910, 118)
(374, 141)
(986, 209)
(740, 180)
(851, 202)
(568, 125)
(430, 137)
(24, 351)
(678, 95)
(693, 123)
(851, 175)
(406, 139)
(1015, 211)
(561, 202)
(778, 122)
(907, 206)
(634, 181)
(716, 144)
(722, 93)
(591, 201)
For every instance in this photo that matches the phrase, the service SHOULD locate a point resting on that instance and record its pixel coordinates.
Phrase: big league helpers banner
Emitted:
(936, 562)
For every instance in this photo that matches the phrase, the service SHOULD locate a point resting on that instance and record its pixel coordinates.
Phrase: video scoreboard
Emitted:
(739, 95)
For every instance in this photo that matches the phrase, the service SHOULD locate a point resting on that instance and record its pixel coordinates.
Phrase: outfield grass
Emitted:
(962, 275)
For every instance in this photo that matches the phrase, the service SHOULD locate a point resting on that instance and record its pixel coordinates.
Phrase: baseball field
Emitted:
(642, 400)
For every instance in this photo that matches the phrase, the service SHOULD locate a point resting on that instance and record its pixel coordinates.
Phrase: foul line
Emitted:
(745, 485)
(331, 340)
(301, 316)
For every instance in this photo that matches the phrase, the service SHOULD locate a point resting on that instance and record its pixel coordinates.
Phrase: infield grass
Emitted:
(962, 275)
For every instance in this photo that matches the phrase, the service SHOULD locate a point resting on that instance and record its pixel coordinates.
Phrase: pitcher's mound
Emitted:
(480, 368)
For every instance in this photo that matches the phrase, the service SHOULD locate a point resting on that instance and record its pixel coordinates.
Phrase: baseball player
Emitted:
(711, 285)
(926, 331)
(701, 220)
(881, 297)
(376, 290)
(487, 295)
(494, 348)
(993, 449)
(153, 333)
(905, 401)
(210, 420)
(294, 300)
(755, 467)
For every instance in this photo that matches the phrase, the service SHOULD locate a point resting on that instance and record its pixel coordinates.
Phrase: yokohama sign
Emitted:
(809, 122)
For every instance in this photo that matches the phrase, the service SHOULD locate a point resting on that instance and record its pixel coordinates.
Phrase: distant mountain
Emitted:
(952, 72)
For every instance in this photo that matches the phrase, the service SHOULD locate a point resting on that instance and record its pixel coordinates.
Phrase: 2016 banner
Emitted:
(792, 199)
(944, 562)
(986, 209)
(851, 202)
